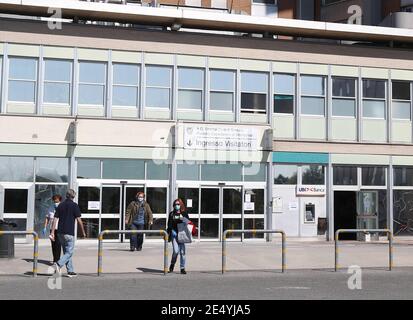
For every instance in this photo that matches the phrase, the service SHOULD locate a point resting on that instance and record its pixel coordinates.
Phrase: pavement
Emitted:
(253, 272)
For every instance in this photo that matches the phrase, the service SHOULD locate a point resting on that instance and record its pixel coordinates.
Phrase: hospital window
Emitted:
(403, 176)
(313, 95)
(158, 87)
(373, 176)
(344, 97)
(254, 88)
(285, 174)
(57, 81)
(52, 170)
(16, 169)
(284, 93)
(190, 88)
(312, 175)
(222, 88)
(92, 83)
(345, 176)
(401, 105)
(126, 85)
(22, 80)
(374, 99)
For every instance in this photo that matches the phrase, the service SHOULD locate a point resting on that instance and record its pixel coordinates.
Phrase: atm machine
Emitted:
(367, 214)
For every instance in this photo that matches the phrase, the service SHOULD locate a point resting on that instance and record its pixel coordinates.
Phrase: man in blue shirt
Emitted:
(66, 214)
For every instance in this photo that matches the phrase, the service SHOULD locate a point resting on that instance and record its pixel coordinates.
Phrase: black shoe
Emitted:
(132, 249)
(139, 249)
(72, 274)
(171, 268)
(183, 271)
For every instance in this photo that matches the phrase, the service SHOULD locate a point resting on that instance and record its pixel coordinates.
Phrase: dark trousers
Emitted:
(56, 248)
(136, 240)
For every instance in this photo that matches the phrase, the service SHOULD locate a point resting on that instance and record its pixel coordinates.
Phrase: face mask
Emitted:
(56, 205)
(177, 207)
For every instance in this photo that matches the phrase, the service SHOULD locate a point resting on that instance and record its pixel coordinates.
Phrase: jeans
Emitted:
(56, 247)
(68, 244)
(136, 240)
(178, 248)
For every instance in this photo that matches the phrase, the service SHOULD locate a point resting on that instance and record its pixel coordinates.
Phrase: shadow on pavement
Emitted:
(45, 262)
(148, 270)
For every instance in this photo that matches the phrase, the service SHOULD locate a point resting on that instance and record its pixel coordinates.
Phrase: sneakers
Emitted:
(171, 268)
(183, 271)
(72, 274)
(57, 269)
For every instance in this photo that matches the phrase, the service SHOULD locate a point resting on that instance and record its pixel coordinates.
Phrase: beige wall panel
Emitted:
(222, 63)
(313, 128)
(58, 52)
(91, 111)
(284, 127)
(402, 131)
(56, 110)
(402, 161)
(344, 129)
(39, 150)
(360, 159)
(191, 61)
(402, 75)
(254, 65)
(284, 67)
(156, 114)
(121, 152)
(343, 71)
(126, 57)
(313, 69)
(253, 118)
(374, 130)
(92, 54)
(157, 58)
(1, 48)
(188, 115)
(124, 112)
(374, 73)
(23, 50)
(221, 116)
(21, 108)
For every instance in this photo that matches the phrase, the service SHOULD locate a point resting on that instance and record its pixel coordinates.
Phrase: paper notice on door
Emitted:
(249, 206)
(189, 203)
(293, 206)
(277, 205)
(247, 198)
(93, 205)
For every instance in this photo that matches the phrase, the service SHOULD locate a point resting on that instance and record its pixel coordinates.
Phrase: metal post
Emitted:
(284, 252)
(390, 237)
(165, 252)
(336, 250)
(35, 253)
(224, 252)
(100, 253)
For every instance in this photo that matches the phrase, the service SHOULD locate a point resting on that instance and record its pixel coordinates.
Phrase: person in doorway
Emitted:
(64, 221)
(138, 217)
(176, 216)
(48, 224)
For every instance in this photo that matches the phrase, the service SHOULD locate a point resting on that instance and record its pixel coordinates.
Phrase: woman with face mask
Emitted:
(138, 217)
(56, 247)
(177, 216)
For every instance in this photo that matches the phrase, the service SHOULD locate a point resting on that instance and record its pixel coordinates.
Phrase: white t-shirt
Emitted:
(50, 215)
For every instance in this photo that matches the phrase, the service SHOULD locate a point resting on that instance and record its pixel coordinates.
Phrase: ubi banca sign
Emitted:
(220, 138)
(311, 191)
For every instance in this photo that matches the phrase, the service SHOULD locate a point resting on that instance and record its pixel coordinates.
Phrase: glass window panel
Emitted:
(157, 171)
(344, 108)
(401, 110)
(158, 224)
(285, 174)
(91, 94)
(284, 104)
(92, 72)
(403, 176)
(57, 70)
(221, 101)
(126, 74)
(191, 78)
(52, 170)
(88, 169)
(374, 89)
(189, 195)
(125, 96)
(254, 224)
(232, 224)
(313, 175)
(123, 169)
(189, 99)
(185, 171)
(23, 91)
(374, 109)
(85, 195)
(402, 213)
(373, 176)
(254, 82)
(345, 176)
(312, 106)
(257, 197)
(157, 98)
(21, 225)
(209, 200)
(15, 200)
(209, 228)
(57, 93)
(222, 80)
(254, 101)
(158, 76)
(284, 83)
(16, 169)
(312, 85)
(221, 172)
(110, 224)
(111, 200)
(255, 172)
(156, 197)
(22, 68)
(232, 201)
(344, 87)
(401, 90)
(91, 228)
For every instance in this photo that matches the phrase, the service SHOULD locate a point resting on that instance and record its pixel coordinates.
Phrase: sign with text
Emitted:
(311, 190)
(220, 138)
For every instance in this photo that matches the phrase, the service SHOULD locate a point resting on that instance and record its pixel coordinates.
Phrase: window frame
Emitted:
(401, 100)
(138, 86)
(280, 93)
(202, 90)
(375, 99)
(35, 81)
(170, 88)
(302, 95)
(104, 85)
(266, 92)
(233, 92)
(70, 83)
(333, 97)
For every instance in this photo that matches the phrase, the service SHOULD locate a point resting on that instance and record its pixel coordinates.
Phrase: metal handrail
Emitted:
(389, 236)
(36, 245)
(283, 241)
(161, 232)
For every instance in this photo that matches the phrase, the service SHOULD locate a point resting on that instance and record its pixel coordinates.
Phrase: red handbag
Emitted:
(194, 230)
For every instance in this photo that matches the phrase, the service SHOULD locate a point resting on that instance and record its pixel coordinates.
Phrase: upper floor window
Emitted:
(22, 80)
(313, 95)
(92, 83)
(312, 175)
(158, 87)
(374, 99)
(125, 85)
(284, 93)
(345, 176)
(401, 105)
(57, 81)
(285, 174)
(403, 176)
(190, 88)
(222, 90)
(373, 176)
(254, 88)
(344, 97)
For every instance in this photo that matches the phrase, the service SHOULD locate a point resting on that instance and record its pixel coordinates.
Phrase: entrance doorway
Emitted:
(345, 212)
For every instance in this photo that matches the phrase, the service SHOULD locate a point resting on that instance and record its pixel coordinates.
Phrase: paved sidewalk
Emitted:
(207, 256)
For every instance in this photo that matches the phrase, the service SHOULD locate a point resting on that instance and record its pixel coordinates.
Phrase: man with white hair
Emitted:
(66, 214)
